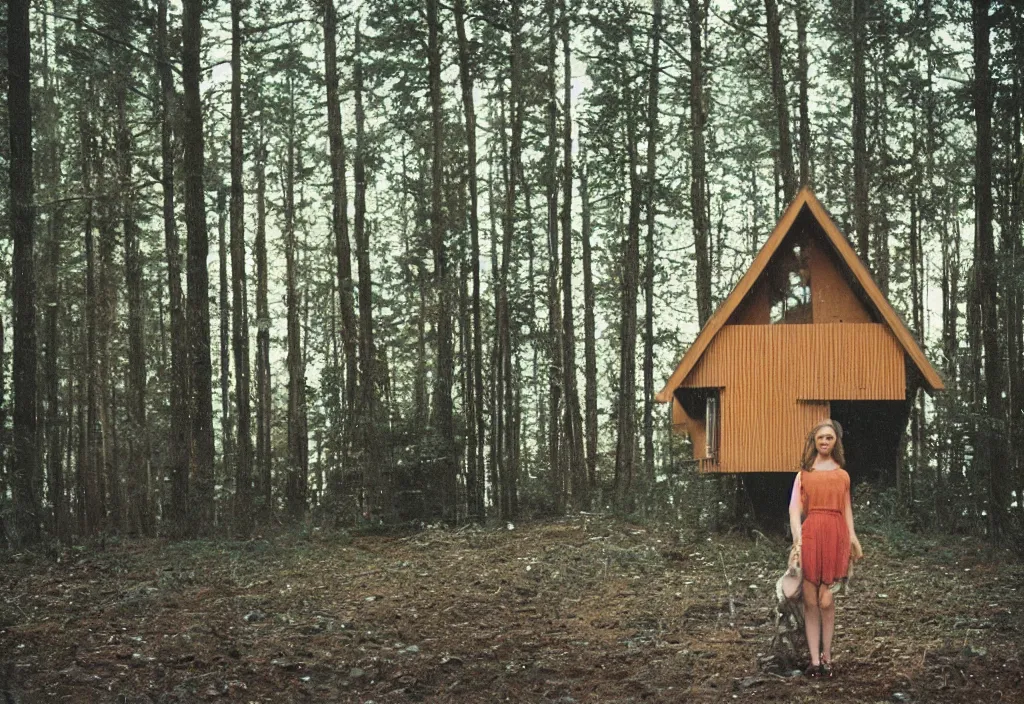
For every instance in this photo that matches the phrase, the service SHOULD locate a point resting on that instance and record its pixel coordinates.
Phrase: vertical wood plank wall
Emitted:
(775, 382)
(832, 297)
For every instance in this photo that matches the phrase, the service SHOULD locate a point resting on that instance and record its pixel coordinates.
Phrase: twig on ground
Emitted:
(728, 582)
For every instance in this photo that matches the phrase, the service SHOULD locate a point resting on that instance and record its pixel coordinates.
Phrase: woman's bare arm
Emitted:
(855, 549)
(795, 509)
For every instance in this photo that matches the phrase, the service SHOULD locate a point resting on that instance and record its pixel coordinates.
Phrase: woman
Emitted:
(826, 539)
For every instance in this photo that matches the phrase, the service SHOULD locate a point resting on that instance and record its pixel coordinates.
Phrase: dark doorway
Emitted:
(767, 495)
(872, 431)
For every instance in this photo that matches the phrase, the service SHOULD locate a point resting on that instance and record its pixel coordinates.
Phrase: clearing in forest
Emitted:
(587, 609)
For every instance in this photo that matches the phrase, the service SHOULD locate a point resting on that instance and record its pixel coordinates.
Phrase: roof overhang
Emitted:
(931, 379)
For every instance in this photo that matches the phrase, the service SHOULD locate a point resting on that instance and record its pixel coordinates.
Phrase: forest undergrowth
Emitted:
(583, 609)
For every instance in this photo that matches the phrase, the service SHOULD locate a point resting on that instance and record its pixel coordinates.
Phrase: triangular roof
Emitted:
(932, 380)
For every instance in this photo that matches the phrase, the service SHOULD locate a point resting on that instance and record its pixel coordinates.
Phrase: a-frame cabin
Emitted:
(805, 335)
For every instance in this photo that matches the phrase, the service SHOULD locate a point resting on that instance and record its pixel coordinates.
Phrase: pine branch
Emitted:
(100, 33)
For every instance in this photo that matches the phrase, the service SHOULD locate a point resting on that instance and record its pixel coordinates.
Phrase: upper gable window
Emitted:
(791, 288)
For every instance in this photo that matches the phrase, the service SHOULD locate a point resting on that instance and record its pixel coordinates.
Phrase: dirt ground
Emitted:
(582, 610)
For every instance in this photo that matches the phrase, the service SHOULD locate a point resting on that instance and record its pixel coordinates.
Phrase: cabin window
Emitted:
(713, 425)
(791, 289)
(703, 406)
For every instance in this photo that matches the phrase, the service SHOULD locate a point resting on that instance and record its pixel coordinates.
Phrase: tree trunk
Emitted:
(652, 159)
(625, 470)
(543, 442)
(140, 513)
(444, 376)
(514, 414)
(948, 347)
(332, 485)
(302, 264)
(264, 406)
(573, 423)
(1009, 307)
(917, 405)
(243, 517)
(106, 308)
(339, 219)
(179, 439)
(917, 414)
(298, 452)
(698, 203)
(55, 470)
(987, 272)
(978, 474)
(82, 481)
(556, 376)
(91, 514)
(465, 354)
(505, 397)
(114, 453)
(378, 496)
(860, 147)
(589, 341)
(802, 12)
(1015, 311)
(82, 468)
(493, 381)
(25, 466)
(227, 441)
(475, 424)
(420, 391)
(951, 296)
(785, 143)
(882, 223)
(68, 433)
(4, 441)
(200, 366)
(52, 291)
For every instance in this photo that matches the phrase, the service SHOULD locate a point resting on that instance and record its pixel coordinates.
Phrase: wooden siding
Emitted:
(776, 382)
(832, 297)
(760, 436)
(841, 361)
(755, 309)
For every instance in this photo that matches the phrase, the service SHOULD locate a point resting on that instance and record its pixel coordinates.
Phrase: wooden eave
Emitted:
(931, 378)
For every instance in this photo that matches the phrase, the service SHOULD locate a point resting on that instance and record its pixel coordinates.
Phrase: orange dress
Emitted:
(825, 551)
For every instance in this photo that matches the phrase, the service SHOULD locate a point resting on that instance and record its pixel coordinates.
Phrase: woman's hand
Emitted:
(856, 552)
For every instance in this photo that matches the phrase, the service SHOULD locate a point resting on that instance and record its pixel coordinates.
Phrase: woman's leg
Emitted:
(827, 606)
(812, 621)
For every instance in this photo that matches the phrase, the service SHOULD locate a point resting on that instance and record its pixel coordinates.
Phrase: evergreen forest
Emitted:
(375, 264)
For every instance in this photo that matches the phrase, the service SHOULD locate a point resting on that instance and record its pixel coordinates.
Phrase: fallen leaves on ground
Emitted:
(586, 609)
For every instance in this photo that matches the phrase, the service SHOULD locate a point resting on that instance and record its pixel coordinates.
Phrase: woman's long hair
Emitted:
(811, 449)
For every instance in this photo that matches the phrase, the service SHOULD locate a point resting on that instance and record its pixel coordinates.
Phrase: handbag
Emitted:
(790, 584)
